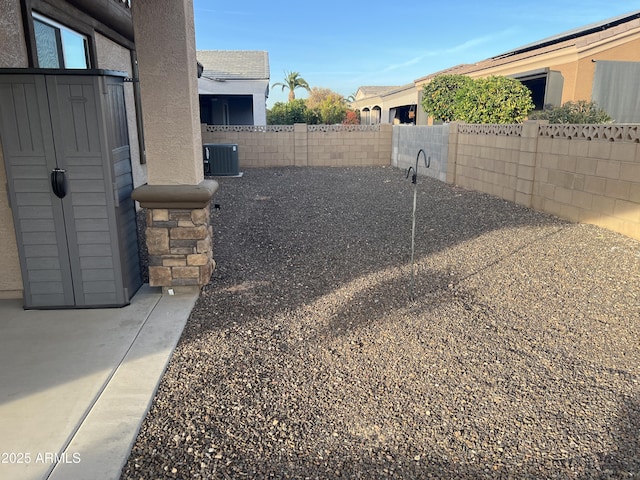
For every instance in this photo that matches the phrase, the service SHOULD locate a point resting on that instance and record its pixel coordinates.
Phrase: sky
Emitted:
(342, 45)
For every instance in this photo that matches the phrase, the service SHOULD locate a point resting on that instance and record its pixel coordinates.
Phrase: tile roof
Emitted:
(234, 64)
(580, 36)
(372, 91)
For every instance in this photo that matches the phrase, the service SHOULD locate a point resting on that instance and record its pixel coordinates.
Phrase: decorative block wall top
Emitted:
(343, 128)
(290, 128)
(610, 133)
(249, 128)
(511, 130)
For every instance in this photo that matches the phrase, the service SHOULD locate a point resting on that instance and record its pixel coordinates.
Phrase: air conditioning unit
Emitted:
(220, 159)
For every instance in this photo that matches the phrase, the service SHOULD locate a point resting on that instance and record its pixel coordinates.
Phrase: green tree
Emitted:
(333, 110)
(440, 96)
(288, 113)
(494, 100)
(573, 112)
(292, 80)
(330, 107)
(484, 100)
(292, 112)
(317, 96)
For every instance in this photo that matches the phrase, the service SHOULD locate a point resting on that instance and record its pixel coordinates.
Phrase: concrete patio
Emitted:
(75, 385)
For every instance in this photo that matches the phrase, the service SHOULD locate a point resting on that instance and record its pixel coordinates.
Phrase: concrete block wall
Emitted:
(592, 179)
(489, 160)
(257, 147)
(407, 142)
(343, 147)
(583, 173)
(305, 145)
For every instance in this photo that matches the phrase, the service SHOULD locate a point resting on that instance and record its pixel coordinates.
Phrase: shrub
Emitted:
(573, 112)
(352, 118)
(494, 100)
(440, 96)
(288, 113)
(484, 100)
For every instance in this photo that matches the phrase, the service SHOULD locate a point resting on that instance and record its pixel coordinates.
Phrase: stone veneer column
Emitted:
(176, 197)
(179, 243)
(179, 236)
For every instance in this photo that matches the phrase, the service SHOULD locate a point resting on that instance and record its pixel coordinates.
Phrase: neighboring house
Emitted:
(233, 87)
(599, 62)
(394, 105)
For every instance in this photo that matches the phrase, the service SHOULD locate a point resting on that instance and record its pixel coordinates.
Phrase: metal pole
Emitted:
(414, 180)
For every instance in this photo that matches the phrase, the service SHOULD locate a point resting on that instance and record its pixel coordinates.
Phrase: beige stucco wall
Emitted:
(629, 51)
(576, 62)
(112, 56)
(13, 53)
(165, 45)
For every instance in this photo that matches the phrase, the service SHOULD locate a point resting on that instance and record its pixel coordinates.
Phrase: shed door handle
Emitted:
(59, 182)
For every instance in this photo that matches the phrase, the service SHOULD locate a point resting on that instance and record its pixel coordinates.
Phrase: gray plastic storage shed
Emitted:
(66, 153)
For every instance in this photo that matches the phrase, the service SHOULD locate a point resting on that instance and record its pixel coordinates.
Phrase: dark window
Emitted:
(538, 87)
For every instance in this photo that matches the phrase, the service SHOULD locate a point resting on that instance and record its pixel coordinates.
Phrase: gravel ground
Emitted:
(305, 357)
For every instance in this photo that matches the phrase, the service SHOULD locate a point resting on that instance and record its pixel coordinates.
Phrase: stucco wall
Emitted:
(112, 56)
(13, 53)
(165, 44)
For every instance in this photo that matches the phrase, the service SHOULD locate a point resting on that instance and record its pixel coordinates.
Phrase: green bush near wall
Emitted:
(495, 100)
(580, 112)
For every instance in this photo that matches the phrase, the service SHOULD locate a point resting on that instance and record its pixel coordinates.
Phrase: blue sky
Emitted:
(346, 44)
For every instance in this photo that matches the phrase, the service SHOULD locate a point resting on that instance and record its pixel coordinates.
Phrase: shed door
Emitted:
(29, 157)
(66, 249)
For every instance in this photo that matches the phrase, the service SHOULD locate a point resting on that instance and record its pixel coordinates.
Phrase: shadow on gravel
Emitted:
(305, 358)
(624, 461)
(374, 298)
(305, 233)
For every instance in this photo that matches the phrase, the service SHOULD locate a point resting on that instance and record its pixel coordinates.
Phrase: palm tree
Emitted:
(292, 80)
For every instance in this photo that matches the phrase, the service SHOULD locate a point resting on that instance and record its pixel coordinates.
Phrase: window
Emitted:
(58, 46)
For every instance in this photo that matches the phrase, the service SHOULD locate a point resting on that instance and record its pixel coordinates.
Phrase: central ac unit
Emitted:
(220, 159)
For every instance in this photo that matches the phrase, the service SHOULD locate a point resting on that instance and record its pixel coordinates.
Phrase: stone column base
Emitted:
(179, 234)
